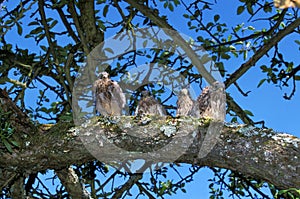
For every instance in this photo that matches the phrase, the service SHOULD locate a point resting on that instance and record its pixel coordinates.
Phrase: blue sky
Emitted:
(266, 102)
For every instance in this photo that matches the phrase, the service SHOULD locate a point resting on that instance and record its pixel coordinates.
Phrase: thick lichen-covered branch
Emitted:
(259, 153)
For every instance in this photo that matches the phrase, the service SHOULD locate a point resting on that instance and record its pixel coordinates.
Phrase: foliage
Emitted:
(44, 46)
(6, 132)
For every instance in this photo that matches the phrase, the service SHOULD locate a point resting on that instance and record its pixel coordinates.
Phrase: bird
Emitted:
(184, 103)
(286, 3)
(109, 96)
(211, 102)
(200, 104)
(148, 105)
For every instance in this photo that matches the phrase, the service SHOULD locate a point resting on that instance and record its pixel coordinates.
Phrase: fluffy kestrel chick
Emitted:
(110, 99)
(211, 102)
(184, 103)
(148, 105)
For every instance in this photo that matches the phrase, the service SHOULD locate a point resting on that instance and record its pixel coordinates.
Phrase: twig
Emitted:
(261, 52)
(168, 29)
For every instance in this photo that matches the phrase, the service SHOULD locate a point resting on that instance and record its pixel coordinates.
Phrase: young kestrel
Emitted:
(211, 102)
(110, 99)
(148, 105)
(184, 103)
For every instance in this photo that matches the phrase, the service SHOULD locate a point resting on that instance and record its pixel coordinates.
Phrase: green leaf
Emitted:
(250, 9)
(7, 145)
(267, 7)
(145, 43)
(245, 54)
(238, 27)
(248, 112)
(20, 29)
(44, 48)
(53, 24)
(49, 19)
(297, 42)
(251, 28)
(261, 82)
(45, 110)
(209, 24)
(200, 39)
(288, 190)
(225, 56)
(166, 4)
(101, 25)
(232, 48)
(240, 10)
(15, 143)
(33, 23)
(233, 120)
(171, 7)
(216, 18)
(220, 66)
(264, 68)
(229, 38)
(105, 10)
(36, 31)
(176, 2)
(109, 50)
(66, 117)
(186, 16)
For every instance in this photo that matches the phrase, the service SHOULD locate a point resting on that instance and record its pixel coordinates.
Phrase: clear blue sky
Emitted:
(266, 102)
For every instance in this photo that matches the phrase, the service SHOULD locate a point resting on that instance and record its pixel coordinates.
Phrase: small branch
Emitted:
(7, 178)
(168, 29)
(17, 189)
(134, 178)
(202, 25)
(21, 123)
(261, 52)
(74, 15)
(240, 90)
(238, 110)
(46, 27)
(143, 190)
(70, 180)
(66, 23)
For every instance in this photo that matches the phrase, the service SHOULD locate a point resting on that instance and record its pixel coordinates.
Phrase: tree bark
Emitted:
(259, 153)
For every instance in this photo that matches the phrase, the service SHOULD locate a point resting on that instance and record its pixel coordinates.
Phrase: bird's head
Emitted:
(184, 91)
(145, 93)
(103, 75)
(218, 86)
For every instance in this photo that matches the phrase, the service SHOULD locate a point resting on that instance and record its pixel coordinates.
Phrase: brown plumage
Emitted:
(184, 103)
(110, 99)
(201, 104)
(286, 3)
(211, 102)
(148, 105)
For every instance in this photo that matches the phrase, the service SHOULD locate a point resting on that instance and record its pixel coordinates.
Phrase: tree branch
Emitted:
(72, 184)
(232, 105)
(74, 15)
(47, 30)
(255, 152)
(168, 29)
(66, 23)
(261, 52)
(134, 178)
(19, 121)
